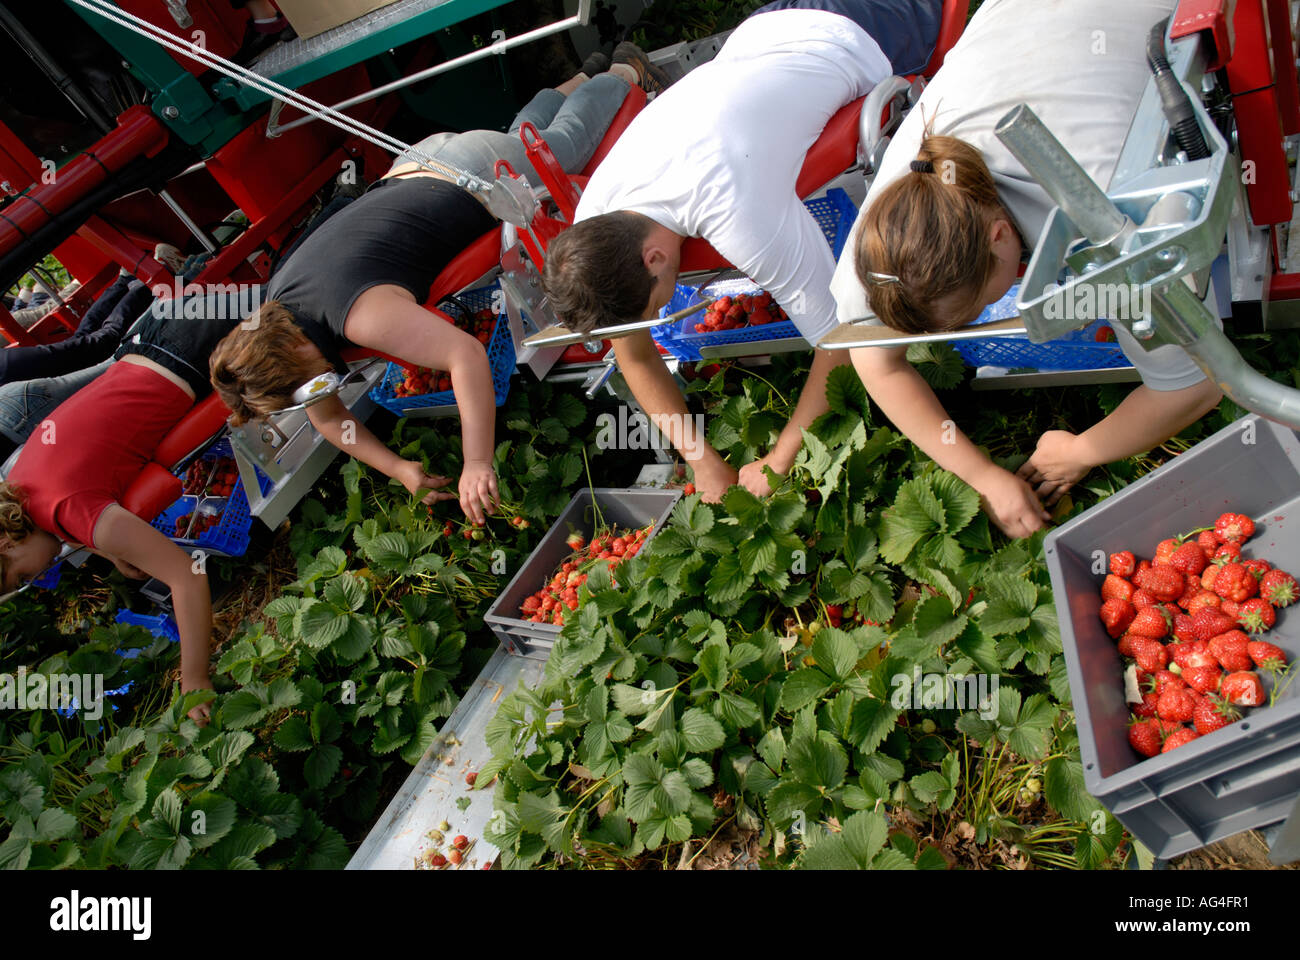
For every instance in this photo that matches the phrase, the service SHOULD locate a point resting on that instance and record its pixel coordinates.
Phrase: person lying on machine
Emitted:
(70, 477)
(360, 279)
(952, 215)
(717, 156)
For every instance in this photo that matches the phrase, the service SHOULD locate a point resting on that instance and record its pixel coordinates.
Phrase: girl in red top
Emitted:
(70, 478)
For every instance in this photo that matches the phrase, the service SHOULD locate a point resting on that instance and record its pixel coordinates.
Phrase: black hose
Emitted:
(1174, 101)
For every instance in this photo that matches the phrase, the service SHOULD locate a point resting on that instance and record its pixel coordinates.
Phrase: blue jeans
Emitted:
(572, 126)
(26, 404)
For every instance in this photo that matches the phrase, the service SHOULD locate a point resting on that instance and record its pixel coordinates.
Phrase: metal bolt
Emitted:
(171, 113)
(1167, 255)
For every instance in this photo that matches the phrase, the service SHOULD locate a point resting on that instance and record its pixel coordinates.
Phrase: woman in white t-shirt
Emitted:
(952, 215)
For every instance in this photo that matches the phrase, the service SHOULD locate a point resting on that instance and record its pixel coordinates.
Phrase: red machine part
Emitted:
(951, 25)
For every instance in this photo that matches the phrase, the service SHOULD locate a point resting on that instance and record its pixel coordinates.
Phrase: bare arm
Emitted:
(1145, 419)
(908, 401)
(122, 536)
(657, 392)
(812, 404)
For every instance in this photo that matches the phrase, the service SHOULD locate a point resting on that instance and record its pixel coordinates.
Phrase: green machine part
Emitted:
(208, 117)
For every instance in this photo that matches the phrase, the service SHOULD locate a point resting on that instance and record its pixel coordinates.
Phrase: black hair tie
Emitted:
(922, 166)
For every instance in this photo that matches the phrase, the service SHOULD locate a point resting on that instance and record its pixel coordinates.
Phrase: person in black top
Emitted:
(360, 279)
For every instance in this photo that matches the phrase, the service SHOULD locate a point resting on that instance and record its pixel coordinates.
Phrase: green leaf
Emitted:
(864, 835)
(321, 765)
(728, 581)
(652, 790)
(209, 816)
(803, 687)
(1011, 601)
(835, 653)
(818, 761)
(294, 735)
(870, 722)
(703, 734)
(1063, 785)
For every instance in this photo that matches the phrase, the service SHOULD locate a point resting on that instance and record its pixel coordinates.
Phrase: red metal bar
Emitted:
(563, 192)
(1284, 68)
(1212, 16)
(1259, 123)
(955, 13)
(1284, 286)
(13, 330)
(138, 134)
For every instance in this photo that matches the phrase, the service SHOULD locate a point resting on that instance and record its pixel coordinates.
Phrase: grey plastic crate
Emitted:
(1245, 775)
(622, 508)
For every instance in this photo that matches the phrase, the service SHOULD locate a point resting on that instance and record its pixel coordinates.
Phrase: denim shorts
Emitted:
(26, 404)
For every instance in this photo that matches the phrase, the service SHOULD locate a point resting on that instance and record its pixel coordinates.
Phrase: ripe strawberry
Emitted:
(1234, 527)
(1152, 622)
(470, 778)
(1147, 708)
(531, 605)
(1257, 567)
(437, 860)
(1267, 656)
(1230, 608)
(1164, 552)
(1279, 588)
(1178, 738)
(1123, 564)
(454, 856)
(1146, 737)
(1209, 622)
(1182, 628)
(1161, 680)
(1193, 654)
(1243, 688)
(1256, 616)
(1116, 588)
(1188, 558)
(1116, 614)
(1213, 713)
(1203, 679)
(1162, 582)
(1203, 599)
(1229, 552)
(688, 489)
(1192, 588)
(576, 541)
(1176, 704)
(1208, 543)
(1150, 655)
(1230, 650)
(1208, 576)
(1141, 598)
(460, 842)
(1125, 645)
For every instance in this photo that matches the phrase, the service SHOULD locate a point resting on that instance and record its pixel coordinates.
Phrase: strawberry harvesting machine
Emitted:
(1199, 212)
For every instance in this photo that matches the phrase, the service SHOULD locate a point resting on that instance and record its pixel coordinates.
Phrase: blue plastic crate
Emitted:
(50, 578)
(500, 352)
(833, 212)
(161, 625)
(230, 536)
(1077, 350)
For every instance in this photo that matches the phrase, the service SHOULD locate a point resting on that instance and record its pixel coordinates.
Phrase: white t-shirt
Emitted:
(717, 154)
(1081, 66)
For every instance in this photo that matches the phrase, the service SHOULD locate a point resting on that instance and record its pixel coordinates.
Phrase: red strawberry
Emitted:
(1190, 591)
(1208, 543)
(1279, 588)
(1116, 588)
(1164, 551)
(1188, 559)
(1226, 553)
(1203, 679)
(1193, 654)
(1123, 564)
(1234, 527)
(437, 860)
(1257, 567)
(1150, 655)
(1230, 650)
(1210, 622)
(1203, 599)
(1147, 708)
(1160, 680)
(575, 541)
(1142, 598)
(1256, 615)
(1243, 688)
(1267, 656)
(1182, 629)
(1208, 576)
(1176, 704)
(1146, 737)
(1213, 713)
(1162, 582)
(1125, 645)
(1117, 614)
(1178, 738)
(1152, 622)
(688, 489)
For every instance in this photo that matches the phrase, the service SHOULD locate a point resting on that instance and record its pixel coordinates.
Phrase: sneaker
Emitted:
(595, 64)
(170, 257)
(651, 78)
